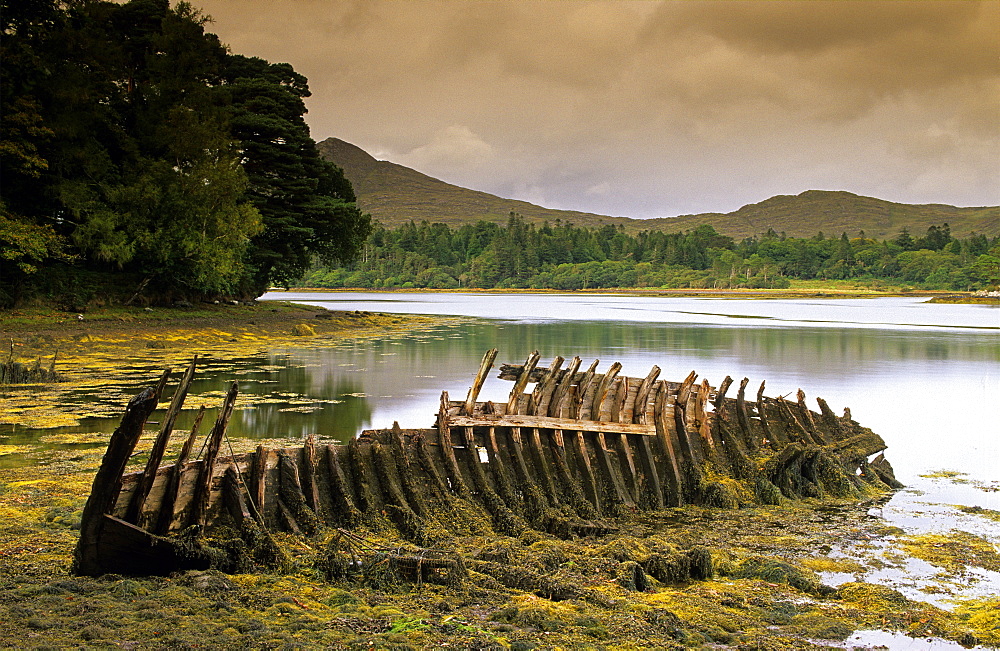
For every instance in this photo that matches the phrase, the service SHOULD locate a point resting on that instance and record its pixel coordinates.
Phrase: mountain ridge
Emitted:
(395, 194)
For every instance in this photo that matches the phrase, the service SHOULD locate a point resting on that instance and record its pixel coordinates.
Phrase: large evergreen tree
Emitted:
(133, 143)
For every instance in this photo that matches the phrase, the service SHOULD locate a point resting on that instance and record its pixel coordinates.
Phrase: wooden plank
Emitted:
(107, 482)
(141, 493)
(477, 383)
(521, 382)
(165, 512)
(761, 414)
(546, 422)
(203, 489)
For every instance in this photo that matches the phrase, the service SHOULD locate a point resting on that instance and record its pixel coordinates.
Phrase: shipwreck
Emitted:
(571, 457)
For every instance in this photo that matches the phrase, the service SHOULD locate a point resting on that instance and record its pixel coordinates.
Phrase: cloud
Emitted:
(672, 106)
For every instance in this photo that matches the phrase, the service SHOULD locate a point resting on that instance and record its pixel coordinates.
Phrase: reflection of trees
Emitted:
(340, 421)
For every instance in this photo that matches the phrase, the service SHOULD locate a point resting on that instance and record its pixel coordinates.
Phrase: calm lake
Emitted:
(926, 377)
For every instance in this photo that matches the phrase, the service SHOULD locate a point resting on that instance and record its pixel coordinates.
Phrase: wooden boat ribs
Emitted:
(569, 456)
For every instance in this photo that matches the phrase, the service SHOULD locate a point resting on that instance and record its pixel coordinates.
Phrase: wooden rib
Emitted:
(592, 410)
(108, 481)
(610, 469)
(581, 389)
(166, 511)
(258, 480)
(830, 420)
(542, 395)
(562, 390)
(521, 382)
(761, 415)
(797, 428)
(543, 464)
(232, 496)
(667, 444)
(701, 415)
(684, 391)
(629, 468)
(742, 418)
(589, 480)
(642, 396)
(141, 493)
(505, 488)
(572, 488)
(310, 485)
(448, 450)
(387, 469)
(340, 488)
(650, 472)
(203, 491)
(620, 389)
(807, 419)
(550, 423)
(720, 407)
(477, 383)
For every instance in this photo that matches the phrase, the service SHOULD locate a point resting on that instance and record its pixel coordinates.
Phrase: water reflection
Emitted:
(930, 392)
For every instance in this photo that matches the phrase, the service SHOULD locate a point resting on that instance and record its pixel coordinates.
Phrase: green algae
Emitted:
(954, 551)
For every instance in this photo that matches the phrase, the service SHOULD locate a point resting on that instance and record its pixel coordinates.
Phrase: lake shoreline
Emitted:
(817, 292)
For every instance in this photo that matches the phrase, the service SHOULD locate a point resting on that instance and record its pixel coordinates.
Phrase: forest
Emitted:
(566, 257)
(143, 162)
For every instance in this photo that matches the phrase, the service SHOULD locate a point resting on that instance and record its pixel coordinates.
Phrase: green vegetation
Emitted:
(395, 194)
(142, 162)
(566, 257)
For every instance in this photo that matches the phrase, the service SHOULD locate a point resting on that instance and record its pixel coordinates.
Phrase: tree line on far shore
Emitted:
(566, 257)
(141, 160)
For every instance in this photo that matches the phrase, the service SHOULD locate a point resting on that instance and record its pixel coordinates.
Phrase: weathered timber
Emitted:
(202, 495)
(568, 458)
(480, 379)
(87, 558)
(160, 445)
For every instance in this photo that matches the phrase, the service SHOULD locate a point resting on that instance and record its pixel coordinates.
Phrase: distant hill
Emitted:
(395, 194)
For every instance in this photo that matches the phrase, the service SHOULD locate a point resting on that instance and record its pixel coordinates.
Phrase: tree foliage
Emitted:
(565, 257)
(133, 143)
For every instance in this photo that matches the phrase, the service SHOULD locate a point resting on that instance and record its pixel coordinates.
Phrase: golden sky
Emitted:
(648, 109)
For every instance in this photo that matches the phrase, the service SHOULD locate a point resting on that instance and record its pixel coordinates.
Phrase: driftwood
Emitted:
(570, 457)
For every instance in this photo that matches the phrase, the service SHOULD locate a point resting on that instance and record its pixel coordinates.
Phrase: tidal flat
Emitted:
(771, 584)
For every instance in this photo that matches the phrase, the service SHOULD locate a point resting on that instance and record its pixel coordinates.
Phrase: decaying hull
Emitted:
(570, 457)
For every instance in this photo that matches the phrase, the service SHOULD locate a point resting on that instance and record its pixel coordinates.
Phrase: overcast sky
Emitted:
(650, 109)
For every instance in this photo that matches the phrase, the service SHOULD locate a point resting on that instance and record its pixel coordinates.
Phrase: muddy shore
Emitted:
(766, 590)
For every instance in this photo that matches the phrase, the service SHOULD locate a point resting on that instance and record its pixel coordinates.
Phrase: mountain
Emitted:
(394, 194)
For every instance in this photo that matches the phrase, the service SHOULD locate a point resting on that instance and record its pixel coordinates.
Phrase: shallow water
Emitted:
(924, 376)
